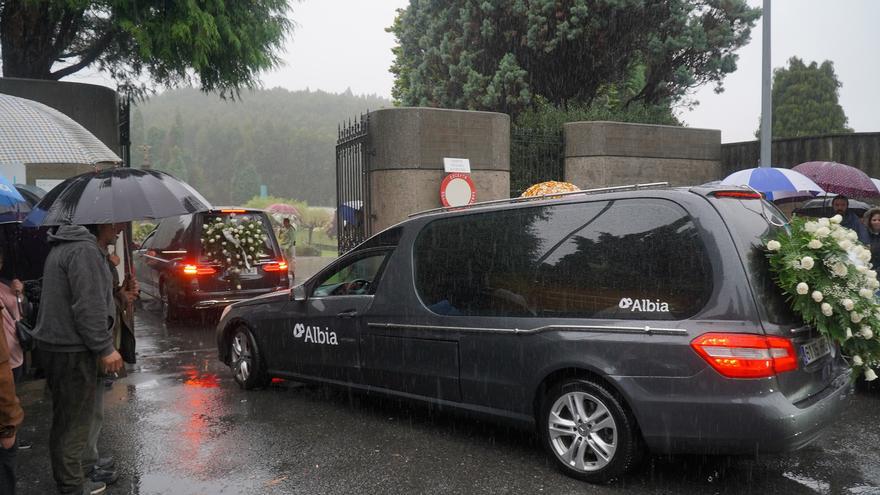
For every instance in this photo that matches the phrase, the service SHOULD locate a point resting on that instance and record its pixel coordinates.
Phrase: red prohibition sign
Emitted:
(457, 189)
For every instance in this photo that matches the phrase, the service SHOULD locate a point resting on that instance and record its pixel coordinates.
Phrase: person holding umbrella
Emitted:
(840, 204)
(75, 325)
(287, 239)
(74, 335)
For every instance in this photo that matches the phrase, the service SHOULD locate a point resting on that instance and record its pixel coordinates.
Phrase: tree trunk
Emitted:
(26, 35)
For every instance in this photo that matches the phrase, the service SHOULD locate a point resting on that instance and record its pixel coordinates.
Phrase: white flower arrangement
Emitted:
(234, 244)
(831, 285)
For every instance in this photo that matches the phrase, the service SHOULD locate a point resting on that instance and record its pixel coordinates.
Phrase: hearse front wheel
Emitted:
(588, 431)
(245, 360)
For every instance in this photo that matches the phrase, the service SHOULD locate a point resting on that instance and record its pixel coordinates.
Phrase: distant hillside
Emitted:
(226, 149)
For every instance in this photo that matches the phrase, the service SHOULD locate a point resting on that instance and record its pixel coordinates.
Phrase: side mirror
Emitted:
(299, 293)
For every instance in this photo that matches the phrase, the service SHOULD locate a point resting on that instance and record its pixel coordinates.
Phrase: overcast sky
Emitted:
(341, 44)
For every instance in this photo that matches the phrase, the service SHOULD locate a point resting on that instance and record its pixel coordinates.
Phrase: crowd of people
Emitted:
(79, 332)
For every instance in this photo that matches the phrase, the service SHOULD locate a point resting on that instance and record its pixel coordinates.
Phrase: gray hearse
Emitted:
(614, 321)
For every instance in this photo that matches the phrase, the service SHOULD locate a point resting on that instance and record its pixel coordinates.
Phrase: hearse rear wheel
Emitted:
(588, 431)
(170, 310)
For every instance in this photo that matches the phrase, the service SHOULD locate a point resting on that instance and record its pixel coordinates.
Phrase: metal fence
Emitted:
(536, 155)
(353, 153)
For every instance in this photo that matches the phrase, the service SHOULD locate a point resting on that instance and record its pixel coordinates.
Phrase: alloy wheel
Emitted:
(241, 357)
(582, 431)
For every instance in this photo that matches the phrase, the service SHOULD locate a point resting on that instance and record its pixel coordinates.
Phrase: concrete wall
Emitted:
(93, 107)
(409, 145)
(600, 154)
(859, 149)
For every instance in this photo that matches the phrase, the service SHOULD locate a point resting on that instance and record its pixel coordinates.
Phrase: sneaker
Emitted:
(103, 476)
(89, 488)
(93, 488)
(105, 463)
(24, 444)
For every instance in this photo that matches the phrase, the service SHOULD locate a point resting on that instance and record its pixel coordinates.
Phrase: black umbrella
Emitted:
(116, 195)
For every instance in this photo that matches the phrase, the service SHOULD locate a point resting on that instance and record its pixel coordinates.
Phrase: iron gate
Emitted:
(353, 153)
(536, 155)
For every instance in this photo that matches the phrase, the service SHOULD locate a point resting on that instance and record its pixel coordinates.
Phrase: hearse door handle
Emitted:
(351, 313)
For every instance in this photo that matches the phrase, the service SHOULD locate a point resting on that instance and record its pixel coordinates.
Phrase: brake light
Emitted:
(233, 211)
(189, 269)
(280, 266)
(742, 355)
(737, 194)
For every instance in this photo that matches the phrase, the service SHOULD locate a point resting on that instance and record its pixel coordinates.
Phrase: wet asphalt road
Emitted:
(178, 424)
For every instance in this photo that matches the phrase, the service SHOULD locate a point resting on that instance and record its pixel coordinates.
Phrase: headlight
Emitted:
(225, 311)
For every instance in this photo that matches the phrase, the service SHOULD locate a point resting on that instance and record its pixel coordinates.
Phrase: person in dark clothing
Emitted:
(850, 219)
(74, 333)
(872, 220)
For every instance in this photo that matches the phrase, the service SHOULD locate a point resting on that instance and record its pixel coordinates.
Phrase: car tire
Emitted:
(170, 309)
(588, 432)
(245, 360)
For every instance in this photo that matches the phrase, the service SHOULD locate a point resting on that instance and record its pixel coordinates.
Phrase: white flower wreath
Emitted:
(826, 273)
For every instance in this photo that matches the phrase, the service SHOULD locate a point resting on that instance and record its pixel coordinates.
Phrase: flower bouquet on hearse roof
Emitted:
(234, 244)
(826, 273)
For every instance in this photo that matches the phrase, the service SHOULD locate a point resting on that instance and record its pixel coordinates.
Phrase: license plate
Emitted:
(815, 349)
(244, 272)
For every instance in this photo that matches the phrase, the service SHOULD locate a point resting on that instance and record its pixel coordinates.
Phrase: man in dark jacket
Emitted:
(850, 219)
(10, 417)
(74, 333)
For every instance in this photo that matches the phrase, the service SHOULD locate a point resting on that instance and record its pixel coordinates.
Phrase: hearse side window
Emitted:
(626, 259)
(355, 278)
(150, 240)
(171, 235)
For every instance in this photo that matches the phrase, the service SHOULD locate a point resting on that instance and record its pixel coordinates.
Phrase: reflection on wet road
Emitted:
(178, 424)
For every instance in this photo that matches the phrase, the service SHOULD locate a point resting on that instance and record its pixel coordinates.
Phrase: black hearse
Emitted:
(613, 321)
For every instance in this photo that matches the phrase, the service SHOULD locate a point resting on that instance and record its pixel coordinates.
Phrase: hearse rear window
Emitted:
(270, 252)
(626, 259)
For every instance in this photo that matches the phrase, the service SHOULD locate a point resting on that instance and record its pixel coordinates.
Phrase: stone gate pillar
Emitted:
(409, 145)
(601, 154)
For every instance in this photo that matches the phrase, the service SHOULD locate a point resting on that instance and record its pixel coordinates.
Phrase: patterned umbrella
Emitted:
(283, 209)
(839, 179)
(775, 183)
(31, 132)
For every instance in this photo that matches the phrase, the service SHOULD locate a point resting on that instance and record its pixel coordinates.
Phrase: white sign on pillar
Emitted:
(457, 165)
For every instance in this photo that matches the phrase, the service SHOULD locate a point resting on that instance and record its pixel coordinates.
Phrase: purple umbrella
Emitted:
(839, 179)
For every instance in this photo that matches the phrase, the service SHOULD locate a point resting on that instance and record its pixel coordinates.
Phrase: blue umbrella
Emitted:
(775, 183)
(13, 206)
(349, 211)
(9, 195)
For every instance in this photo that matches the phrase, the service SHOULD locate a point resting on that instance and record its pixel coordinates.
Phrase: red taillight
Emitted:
(190, 269)
(743, 355)
(280, 266)
(233, 210)
(737, 194)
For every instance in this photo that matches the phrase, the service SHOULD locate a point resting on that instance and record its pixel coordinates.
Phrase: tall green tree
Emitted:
(502, 54)
(219, 44)
(805, 100)
(245, 183)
